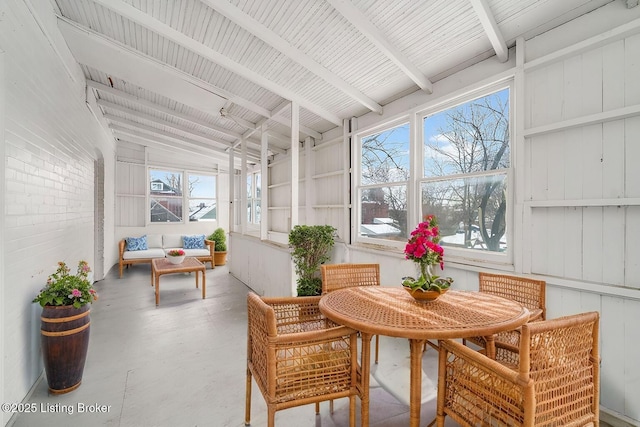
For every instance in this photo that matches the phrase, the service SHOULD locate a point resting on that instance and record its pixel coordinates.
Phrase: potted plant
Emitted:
(65, 325)
(423, 249)
(220, 249)
(311, 245)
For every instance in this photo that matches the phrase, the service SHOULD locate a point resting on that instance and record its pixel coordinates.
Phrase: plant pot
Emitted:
(424, 296)
(220, 257)
(176, 259)
(64, 340)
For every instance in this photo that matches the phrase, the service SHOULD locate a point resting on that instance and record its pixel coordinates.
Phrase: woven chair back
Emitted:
(339, 276)
(530, 293)
(561, 356)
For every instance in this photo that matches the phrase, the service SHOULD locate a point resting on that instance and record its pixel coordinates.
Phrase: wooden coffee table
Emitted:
(160, 266)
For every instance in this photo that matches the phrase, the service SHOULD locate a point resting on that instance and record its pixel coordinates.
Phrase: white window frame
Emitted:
(416, 178)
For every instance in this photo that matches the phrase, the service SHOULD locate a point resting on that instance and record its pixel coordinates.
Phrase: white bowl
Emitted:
(175, 259)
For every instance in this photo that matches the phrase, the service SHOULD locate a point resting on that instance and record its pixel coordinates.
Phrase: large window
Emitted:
(383, 184)
(166, 201)
(455, 167)
(464, 181)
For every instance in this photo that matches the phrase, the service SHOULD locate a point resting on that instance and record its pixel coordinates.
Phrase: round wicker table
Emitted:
(391, 311)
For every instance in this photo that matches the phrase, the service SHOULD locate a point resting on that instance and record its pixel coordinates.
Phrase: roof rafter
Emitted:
(490, 27)
(132, 98)
(360, 21)
(135, 15)
(271, 38)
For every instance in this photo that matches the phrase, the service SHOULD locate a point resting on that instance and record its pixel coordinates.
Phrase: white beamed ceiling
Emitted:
(165, 69)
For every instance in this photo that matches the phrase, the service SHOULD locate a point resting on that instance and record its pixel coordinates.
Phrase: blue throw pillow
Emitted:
(193, 242)
(137, 243)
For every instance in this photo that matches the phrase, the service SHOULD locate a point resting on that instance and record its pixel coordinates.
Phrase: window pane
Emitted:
(249, 183)
(258, 185)
(468, 138)
(384, 212)
(471, 212)
(257, 211)
(202, 210)
(202, 186)
(385, 156)
(167, 183)
(166, 209)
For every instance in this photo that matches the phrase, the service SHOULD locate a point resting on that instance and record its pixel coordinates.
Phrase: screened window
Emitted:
(383, 184)
(464, 181)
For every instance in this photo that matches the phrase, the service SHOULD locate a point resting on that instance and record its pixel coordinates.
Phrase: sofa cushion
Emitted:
(171, 241)
(193, 242)
(142, 254)
(154, 241)
(137, 243)
(194, 252)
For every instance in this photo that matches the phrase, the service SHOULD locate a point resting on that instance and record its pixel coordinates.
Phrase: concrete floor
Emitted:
(183, 363)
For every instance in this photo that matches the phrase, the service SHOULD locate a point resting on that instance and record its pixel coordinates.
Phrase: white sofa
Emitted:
(157, 247)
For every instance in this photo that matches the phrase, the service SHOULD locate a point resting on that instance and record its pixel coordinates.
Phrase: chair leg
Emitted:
(352, 411)
(247, 403)
(377, 347)
(271, 416)
(318, 407)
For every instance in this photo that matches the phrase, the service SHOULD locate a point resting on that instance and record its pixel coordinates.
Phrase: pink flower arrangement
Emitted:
(176, 252)
(423, 246)
(423, 249)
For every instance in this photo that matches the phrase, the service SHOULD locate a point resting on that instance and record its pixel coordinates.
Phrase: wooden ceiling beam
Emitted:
(490, 27)
(135, 15)
(268, 36)
(360, 21)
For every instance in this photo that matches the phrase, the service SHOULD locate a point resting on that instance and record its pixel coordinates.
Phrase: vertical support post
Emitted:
(243, 186)
(295, 163)
(264, 192)
(309, 188)
(232, 178)
(520, 226)
(295, 172)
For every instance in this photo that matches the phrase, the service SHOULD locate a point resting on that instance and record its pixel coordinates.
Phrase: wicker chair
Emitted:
(528, 292)
(339, 276)
(297, 356)
(556, 381)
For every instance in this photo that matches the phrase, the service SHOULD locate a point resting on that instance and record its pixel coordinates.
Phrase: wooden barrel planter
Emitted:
(65, 340)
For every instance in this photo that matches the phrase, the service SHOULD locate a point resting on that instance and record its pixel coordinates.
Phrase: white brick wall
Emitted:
(50, 142)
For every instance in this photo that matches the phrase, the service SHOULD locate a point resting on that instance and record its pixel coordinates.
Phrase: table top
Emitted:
(391, 311)
(163, 266)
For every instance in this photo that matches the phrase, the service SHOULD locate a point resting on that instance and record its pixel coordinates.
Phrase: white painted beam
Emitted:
(360, 21)
(135, 15)
(490, 27)
(265, 34)
(143, 102)
(109, 56)
(116, 107)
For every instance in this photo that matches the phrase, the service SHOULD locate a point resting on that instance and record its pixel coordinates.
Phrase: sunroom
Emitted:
(515, 123)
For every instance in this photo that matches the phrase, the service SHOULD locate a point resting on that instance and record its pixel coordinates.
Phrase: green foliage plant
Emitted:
(311, 245)
(63, 288)
(220, 239)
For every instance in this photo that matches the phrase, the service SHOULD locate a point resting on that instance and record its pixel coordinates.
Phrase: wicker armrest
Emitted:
(296, 355)
(477, 389)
